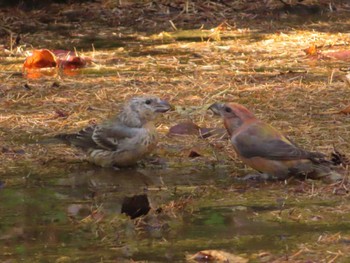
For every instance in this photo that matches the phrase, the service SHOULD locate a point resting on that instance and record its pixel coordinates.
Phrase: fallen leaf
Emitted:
(311, 51)
(346, 110)
(184, 128)
(44, 58)
(40, 58)
(69, 60)
(217, 256)
(347, 79)
(339, 55)
(194, 153)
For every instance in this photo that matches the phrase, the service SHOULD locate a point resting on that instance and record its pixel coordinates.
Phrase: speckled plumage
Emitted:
(124, 139)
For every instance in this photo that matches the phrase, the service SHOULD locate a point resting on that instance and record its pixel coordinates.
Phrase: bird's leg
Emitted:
(257, 177)
(152, 160)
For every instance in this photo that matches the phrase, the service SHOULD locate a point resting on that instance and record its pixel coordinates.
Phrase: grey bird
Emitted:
(123, 140)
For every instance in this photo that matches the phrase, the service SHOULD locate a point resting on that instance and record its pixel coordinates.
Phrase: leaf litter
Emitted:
(220, 55)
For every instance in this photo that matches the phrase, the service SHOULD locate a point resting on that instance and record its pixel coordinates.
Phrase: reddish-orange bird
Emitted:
(267, 150)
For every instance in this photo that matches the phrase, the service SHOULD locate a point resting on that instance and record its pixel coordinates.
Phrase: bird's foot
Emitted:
(152, 161)
(260, 177)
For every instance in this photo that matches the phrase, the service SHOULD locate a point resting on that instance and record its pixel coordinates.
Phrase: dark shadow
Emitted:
(118, 25)
(135, 206)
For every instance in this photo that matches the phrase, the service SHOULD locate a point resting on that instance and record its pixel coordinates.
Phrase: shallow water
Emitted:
(42, 223)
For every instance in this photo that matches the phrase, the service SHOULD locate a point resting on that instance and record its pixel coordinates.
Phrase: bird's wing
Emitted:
(262, 140)
(109, 136)
(104, 136)
(82, 139)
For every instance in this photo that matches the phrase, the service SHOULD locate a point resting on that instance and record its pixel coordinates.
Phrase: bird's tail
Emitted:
(321, 170)
(59, 139)
(327, 173)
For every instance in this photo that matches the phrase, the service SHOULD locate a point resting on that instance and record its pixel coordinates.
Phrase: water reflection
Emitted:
(32, 220)
(110, 187)
(37, 220)
(41, 222)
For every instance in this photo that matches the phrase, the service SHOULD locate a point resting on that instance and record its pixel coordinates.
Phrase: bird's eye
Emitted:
(148, 101)
(227, 109)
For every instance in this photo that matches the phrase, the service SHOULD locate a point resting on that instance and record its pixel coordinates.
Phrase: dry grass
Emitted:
(256, 62)
(267, 72)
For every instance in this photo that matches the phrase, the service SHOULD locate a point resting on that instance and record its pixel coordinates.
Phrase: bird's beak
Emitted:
(216, 108)
(162, 106)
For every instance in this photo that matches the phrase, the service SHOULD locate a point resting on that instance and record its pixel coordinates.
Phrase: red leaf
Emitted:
(346, 110)
(69, 60)
(41, 58)
(340, 55)
(311, 50)
(184, 128)
(44, 58)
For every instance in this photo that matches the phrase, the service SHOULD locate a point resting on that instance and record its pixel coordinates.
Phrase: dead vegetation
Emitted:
(233, 51)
